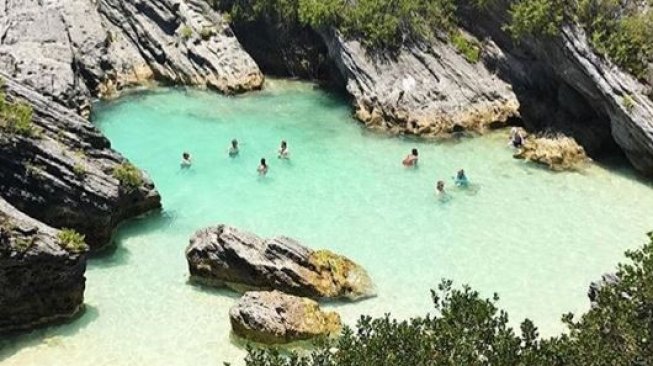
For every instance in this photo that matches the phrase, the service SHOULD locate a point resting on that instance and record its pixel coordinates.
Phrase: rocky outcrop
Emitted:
(225, 256)
(74, 49)
(275, 317)
(40, 282)
(558, 152)
(565, 87)
(63, 175)
(607, 279)
(426, 89)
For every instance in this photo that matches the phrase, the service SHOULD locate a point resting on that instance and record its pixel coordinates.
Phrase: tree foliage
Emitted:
(467, 329)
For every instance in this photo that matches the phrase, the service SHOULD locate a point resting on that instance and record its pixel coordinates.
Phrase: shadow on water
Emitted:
(50, 336)
(117, 254)
(213, 291)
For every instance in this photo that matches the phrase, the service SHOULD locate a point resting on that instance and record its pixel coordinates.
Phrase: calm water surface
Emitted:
(535, 237)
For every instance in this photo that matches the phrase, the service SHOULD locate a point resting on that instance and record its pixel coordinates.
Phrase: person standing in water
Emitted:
(411, 159)
(233, 149)
(516, 138)
(283, 150)
(186, 160)
(262, 168)
(439, 188)
(461, 179)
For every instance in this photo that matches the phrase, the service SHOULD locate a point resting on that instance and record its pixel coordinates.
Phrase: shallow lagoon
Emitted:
(535, 237)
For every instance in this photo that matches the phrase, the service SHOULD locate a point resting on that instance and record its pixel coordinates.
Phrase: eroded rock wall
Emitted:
(565, 87)
(39, 281)
(422, 89)
(75, 49)
(63, 176)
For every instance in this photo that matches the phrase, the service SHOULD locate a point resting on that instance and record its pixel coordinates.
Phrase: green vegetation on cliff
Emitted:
(16, 117)
(377, 23)
(72, 241)
(129, 176)
(620, 30)
(469, 330)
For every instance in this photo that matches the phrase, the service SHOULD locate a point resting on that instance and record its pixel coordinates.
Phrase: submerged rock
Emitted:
(40, 282)
(63, 173)
(225, 256)
(74, 49)
(427, 90)
(275, 317)
(558, 152)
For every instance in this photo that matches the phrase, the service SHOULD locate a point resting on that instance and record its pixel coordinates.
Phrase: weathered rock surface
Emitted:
(275, 317)
(63, 176)
(427, 90)
(74, 49)
(225, 256)
(558, 152)
(39, 281)
(564, 86)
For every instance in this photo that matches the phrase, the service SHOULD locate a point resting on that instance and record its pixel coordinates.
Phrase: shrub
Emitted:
(470, 330)
(186, 32)
(79, 170)
(535, 18)
(72, 241)
(377, 24)
(207, 32)
(16, 118)
(128, 175)
(470, 49)
(628, 102)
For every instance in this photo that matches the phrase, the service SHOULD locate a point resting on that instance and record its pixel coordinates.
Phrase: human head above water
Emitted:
(284, 144)
(263, 162)
(414, 152)
(234, 143)
(185, 155)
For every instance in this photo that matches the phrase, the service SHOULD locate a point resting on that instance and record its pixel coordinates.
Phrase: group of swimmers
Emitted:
(234, 150)
(460, 180)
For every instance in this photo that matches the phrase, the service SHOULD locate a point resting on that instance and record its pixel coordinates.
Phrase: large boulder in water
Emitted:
(225, 256)
(275, 317)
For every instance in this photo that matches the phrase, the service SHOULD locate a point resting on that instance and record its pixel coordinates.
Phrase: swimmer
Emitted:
(461, 179)
(283, 150)
(186, 160)
(439, 188)
(411, 159)
(516, 138)
(262, 168)
(233, 149)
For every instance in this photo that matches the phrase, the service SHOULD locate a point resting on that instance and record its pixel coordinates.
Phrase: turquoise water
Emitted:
(535, 237)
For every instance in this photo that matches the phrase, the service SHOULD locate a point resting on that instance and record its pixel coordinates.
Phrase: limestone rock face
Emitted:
(39, 281)
(427, 90)
(74, 49)
(557, 152)
(225, 256)
(62, 176)
(275, 317)
(565, 87)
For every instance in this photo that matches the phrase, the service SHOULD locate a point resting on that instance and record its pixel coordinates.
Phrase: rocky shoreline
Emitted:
(40, 281)
(58, 56)
(280, 278)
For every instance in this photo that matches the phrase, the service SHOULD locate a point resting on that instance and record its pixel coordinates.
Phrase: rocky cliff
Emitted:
(564, 86)
(63, 175)
(422, 89)
(40, 282)
(75, 49)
